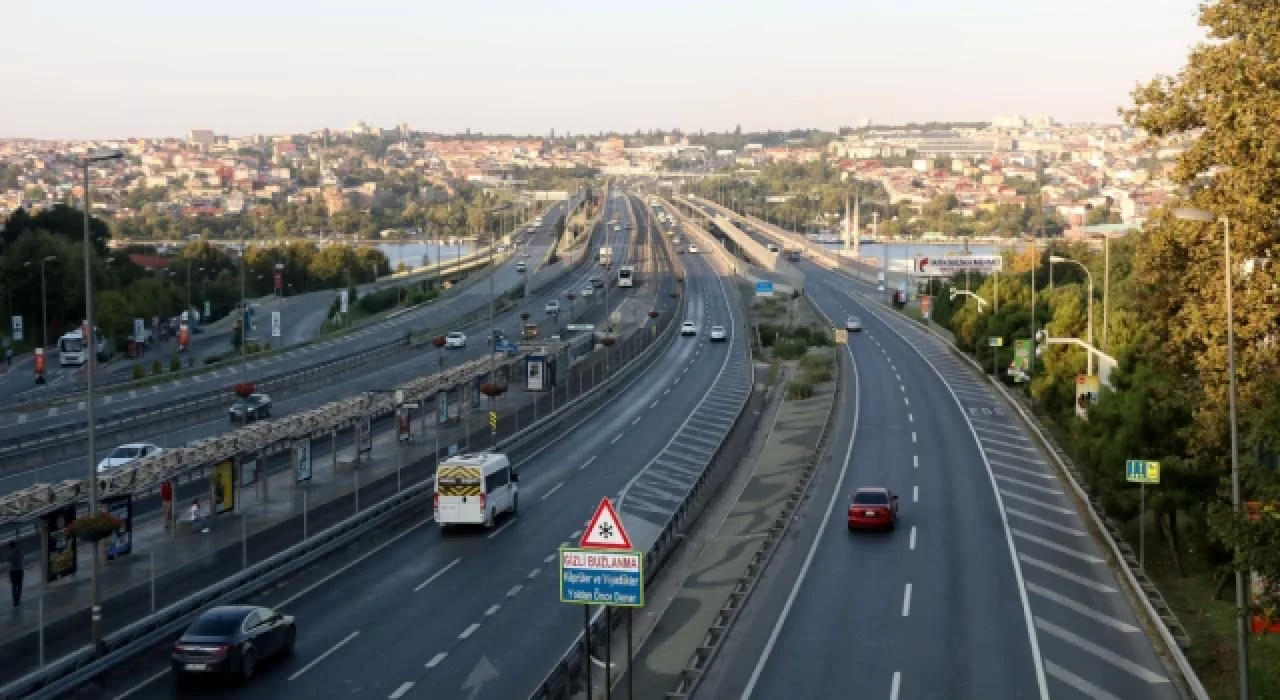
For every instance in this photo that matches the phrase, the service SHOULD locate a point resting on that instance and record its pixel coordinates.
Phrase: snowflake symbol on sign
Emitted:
(606, 530)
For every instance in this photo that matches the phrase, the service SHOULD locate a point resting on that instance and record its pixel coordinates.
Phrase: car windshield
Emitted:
(216, 624)
(455, 335)
(125, 453)
(871, 498)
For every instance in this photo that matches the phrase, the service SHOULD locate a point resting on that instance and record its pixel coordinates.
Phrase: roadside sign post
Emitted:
(604, 569)
(995, 342)
(1142, 472)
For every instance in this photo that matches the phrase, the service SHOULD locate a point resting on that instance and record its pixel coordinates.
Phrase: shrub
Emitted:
(817, 375)
(156, 369)
(789, 348)
(139, 372)
(175, 364)
(799, 389)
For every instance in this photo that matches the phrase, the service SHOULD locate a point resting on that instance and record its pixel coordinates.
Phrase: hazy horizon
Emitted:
(145, 69)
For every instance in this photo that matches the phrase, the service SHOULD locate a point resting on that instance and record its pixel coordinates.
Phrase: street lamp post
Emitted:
(1242, 633)
(95, 600)
(1089, 275)
(44, 302)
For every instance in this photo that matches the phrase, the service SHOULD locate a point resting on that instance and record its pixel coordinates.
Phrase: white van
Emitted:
(473, 489)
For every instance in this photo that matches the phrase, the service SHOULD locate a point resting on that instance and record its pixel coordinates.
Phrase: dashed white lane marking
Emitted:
(913, 436)
(913, 538)
(902, 388)
(616, 438)
(910, 419)
(534, 573)
(547, 559)
(587, 463)
(514, 590)
(555, 488)
(399, 692)
(897, 376)
(437, 574)
(668, 391)
(500, 530)
(435, 660)
(22, 418)
(915, 461)
(325, 655)
(895, 685)
(492, 609)
(637, 420)
(575, 534)
(915, 494)
(906, 401)
(906, 601)
(654, 404)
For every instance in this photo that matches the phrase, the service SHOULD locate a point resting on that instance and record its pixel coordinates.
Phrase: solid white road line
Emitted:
(1029, 485)
(555, 488)
(1028, 472)
(1047, 506)
(470, 630)
(817, 539)
(913, 538)
(399, 692)
(325, 655)
(437, 575)
(435, 660)
(895, 685)
(906, 601)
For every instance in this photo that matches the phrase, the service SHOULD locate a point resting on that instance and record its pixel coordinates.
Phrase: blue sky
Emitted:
(87, 68)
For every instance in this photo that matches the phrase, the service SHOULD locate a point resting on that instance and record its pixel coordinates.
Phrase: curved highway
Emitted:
(990, 587)
(477, 614)
(397, 371)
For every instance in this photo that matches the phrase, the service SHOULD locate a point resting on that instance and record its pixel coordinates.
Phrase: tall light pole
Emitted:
(1242, 633)
(1089, 275)
(95, 600)
(44, 301)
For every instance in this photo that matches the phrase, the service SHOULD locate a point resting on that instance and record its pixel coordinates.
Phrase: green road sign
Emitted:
(995, 342)
(1142, 471)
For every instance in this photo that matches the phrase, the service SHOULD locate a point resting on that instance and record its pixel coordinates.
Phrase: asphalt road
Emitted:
(303, 314)
(389, 374)
(428, 613)
(990, 586)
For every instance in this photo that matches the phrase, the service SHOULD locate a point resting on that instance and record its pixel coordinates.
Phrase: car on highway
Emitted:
(233, 640)
(456, 339)
(124, 454)
(520, 266)
(853, 324)
(693, 248)
(587, 291)
(553, 307)
(474, 489)
(597, 283)
(688, 328)
(718, 334)
(873, 508)
(252, 407)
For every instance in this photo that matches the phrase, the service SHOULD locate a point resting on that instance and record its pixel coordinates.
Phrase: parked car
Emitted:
(250, 408)
(124, 454)
(455, 339)
(232, 639)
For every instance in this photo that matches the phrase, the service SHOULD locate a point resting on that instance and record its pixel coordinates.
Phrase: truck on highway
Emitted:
(606, 255)
(473, 489)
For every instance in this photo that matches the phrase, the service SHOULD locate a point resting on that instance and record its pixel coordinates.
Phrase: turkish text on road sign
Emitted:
(1142, 471)
(605, 530)
(602, 578)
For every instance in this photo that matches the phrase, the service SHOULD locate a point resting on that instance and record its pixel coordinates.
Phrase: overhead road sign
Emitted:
(764, 288)
(959, 264)
(590, 577)
(605, 530)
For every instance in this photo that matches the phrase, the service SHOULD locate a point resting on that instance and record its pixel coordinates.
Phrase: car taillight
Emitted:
(436, 500)
(482, 501)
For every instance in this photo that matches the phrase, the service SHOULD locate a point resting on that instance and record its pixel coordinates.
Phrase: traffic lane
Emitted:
(966, 590)
(495, 567)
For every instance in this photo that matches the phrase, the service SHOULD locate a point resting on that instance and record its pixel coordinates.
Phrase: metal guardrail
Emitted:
(566, 673)
(82, 666)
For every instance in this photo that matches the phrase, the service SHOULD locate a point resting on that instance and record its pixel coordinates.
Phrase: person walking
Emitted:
(15, 572)
(197, 523)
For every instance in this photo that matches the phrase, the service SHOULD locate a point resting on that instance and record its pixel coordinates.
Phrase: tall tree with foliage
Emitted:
(1228, 95)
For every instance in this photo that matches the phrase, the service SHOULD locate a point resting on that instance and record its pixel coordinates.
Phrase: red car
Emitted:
(873, 508)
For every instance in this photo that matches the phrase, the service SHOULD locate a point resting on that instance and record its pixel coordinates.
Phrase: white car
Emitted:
(718, 334)
(553, 307)
(853, 325)
(693, 248)
(455, 340)
(688, 328)
(520, 266)
(124, 454)
(586, 292)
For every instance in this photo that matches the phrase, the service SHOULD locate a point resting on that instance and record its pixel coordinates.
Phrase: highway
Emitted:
(387, 374)
(990, 587)
(427, 613)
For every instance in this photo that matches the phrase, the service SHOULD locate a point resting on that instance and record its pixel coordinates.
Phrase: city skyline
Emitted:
(134, 70)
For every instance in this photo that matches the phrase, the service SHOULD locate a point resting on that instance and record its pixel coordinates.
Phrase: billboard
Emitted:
(959, 264)
(248, 471)
(224, 486)
(302, 459)
(366, 434)
(1088, 389)
(442, 407)
(120, 542)
(17, 328)
(60, 544)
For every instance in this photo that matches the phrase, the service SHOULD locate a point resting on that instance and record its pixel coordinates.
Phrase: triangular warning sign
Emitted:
(605, 529)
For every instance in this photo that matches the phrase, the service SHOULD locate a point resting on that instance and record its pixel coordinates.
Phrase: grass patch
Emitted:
(788, 348)
(799, 389)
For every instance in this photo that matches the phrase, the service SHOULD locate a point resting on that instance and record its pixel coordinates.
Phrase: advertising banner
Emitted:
(533, 381)
(960, 264)
(17, 328)
(275, 324)
(208, 311)
(302, 460)
(60, 544)
(1087, 392)
(248, 471)
(342, 301)
(120, 542)
(1022, 350)
(184, 336)
(39, 361)
(926, 306)
(139, 330)
(366, 434)
(224, 486)
(442, 407)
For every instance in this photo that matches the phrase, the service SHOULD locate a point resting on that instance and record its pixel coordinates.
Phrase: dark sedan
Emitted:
(232, 639)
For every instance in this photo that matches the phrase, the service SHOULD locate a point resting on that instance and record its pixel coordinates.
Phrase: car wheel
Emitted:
(289, 638)
(488, 522)
(248, 662)
(515, 504)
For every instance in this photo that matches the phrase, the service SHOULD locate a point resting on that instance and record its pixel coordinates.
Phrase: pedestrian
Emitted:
(15, 572)
(166, 501)
(197, 522)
